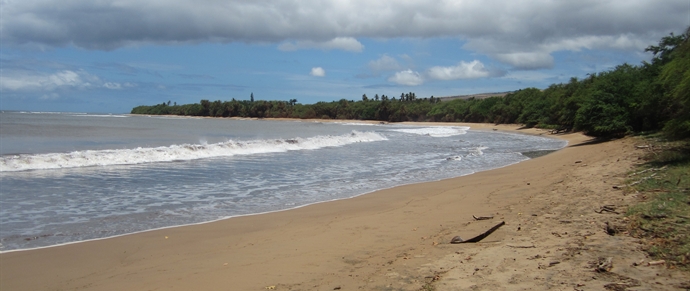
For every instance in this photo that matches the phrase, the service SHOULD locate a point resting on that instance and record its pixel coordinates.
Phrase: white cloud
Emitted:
(622, 42)
(65, 79)
(118, 86)
(112, 86)
(472, 70)
(506, 30)
(407, 78)
(318, 72)
(50, 96)
(36, 81)
(14, 83)
(340, 43)
(527, 60)
(384, 63)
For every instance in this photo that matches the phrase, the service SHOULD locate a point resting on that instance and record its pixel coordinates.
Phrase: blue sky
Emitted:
(109, 56)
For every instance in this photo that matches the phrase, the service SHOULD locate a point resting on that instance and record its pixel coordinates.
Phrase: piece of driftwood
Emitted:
(647, 170)
(607, 208)
(522, 247)
(482, 217)
(459, 240)
(636, 182)
(642, 180)
(558, 130)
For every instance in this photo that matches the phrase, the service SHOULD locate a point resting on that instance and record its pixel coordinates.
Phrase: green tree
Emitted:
(675, 80)
(662, 52)
(601, 116)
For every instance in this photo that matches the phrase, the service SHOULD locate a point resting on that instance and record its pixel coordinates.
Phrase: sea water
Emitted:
(69, 177)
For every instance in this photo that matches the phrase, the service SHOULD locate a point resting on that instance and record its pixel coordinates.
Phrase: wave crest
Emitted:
(436, 131)
(89, 158)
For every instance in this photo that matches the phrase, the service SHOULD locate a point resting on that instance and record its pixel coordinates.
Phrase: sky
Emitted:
(108, 56)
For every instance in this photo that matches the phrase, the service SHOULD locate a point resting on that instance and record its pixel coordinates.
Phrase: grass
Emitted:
(661, 219)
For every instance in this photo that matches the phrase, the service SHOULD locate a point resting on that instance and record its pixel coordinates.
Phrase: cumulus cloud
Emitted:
(384, 63)
(407, 78)
(117, 86)
(500, 29)
(65, 79)
(472, 70)
(623, 42)
(15, 83)
(340, 43)
(50, 96)
(36, 81)
(318, 72)
(526, 60)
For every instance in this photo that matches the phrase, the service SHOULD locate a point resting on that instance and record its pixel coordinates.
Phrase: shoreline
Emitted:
(396, 238)
(478, 126)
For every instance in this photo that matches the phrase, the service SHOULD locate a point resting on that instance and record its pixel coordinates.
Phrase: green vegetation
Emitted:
(627, 99)
(662, 219)
(650, 97)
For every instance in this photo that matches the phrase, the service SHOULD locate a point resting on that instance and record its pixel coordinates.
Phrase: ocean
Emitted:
(70, 177)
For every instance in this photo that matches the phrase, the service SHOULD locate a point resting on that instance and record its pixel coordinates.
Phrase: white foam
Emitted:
(90, 158)
(99, 115)
(478, 151)
(436, 131)
(49, 112)
(358, 123)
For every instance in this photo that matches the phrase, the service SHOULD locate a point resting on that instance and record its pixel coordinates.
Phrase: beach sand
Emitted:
(394, 239)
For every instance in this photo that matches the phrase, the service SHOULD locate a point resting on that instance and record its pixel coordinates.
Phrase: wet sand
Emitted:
(394, 239)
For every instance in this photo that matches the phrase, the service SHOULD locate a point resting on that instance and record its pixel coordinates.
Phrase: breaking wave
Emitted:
(89, 158)
(478, 151)
(436, 131)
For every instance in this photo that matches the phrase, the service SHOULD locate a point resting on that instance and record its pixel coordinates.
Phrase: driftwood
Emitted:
(647, 170)
(522, 247)
(482, 217)
(459, 240)
(607, 208)
(642, 179)
(558, 130)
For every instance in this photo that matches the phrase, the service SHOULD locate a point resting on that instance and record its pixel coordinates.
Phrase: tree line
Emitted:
(407, 108)
(652, 96)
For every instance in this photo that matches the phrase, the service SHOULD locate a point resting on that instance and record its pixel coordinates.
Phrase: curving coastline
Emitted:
(393, 238)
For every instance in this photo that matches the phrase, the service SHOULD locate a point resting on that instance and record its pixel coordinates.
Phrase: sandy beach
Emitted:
(393, 239)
